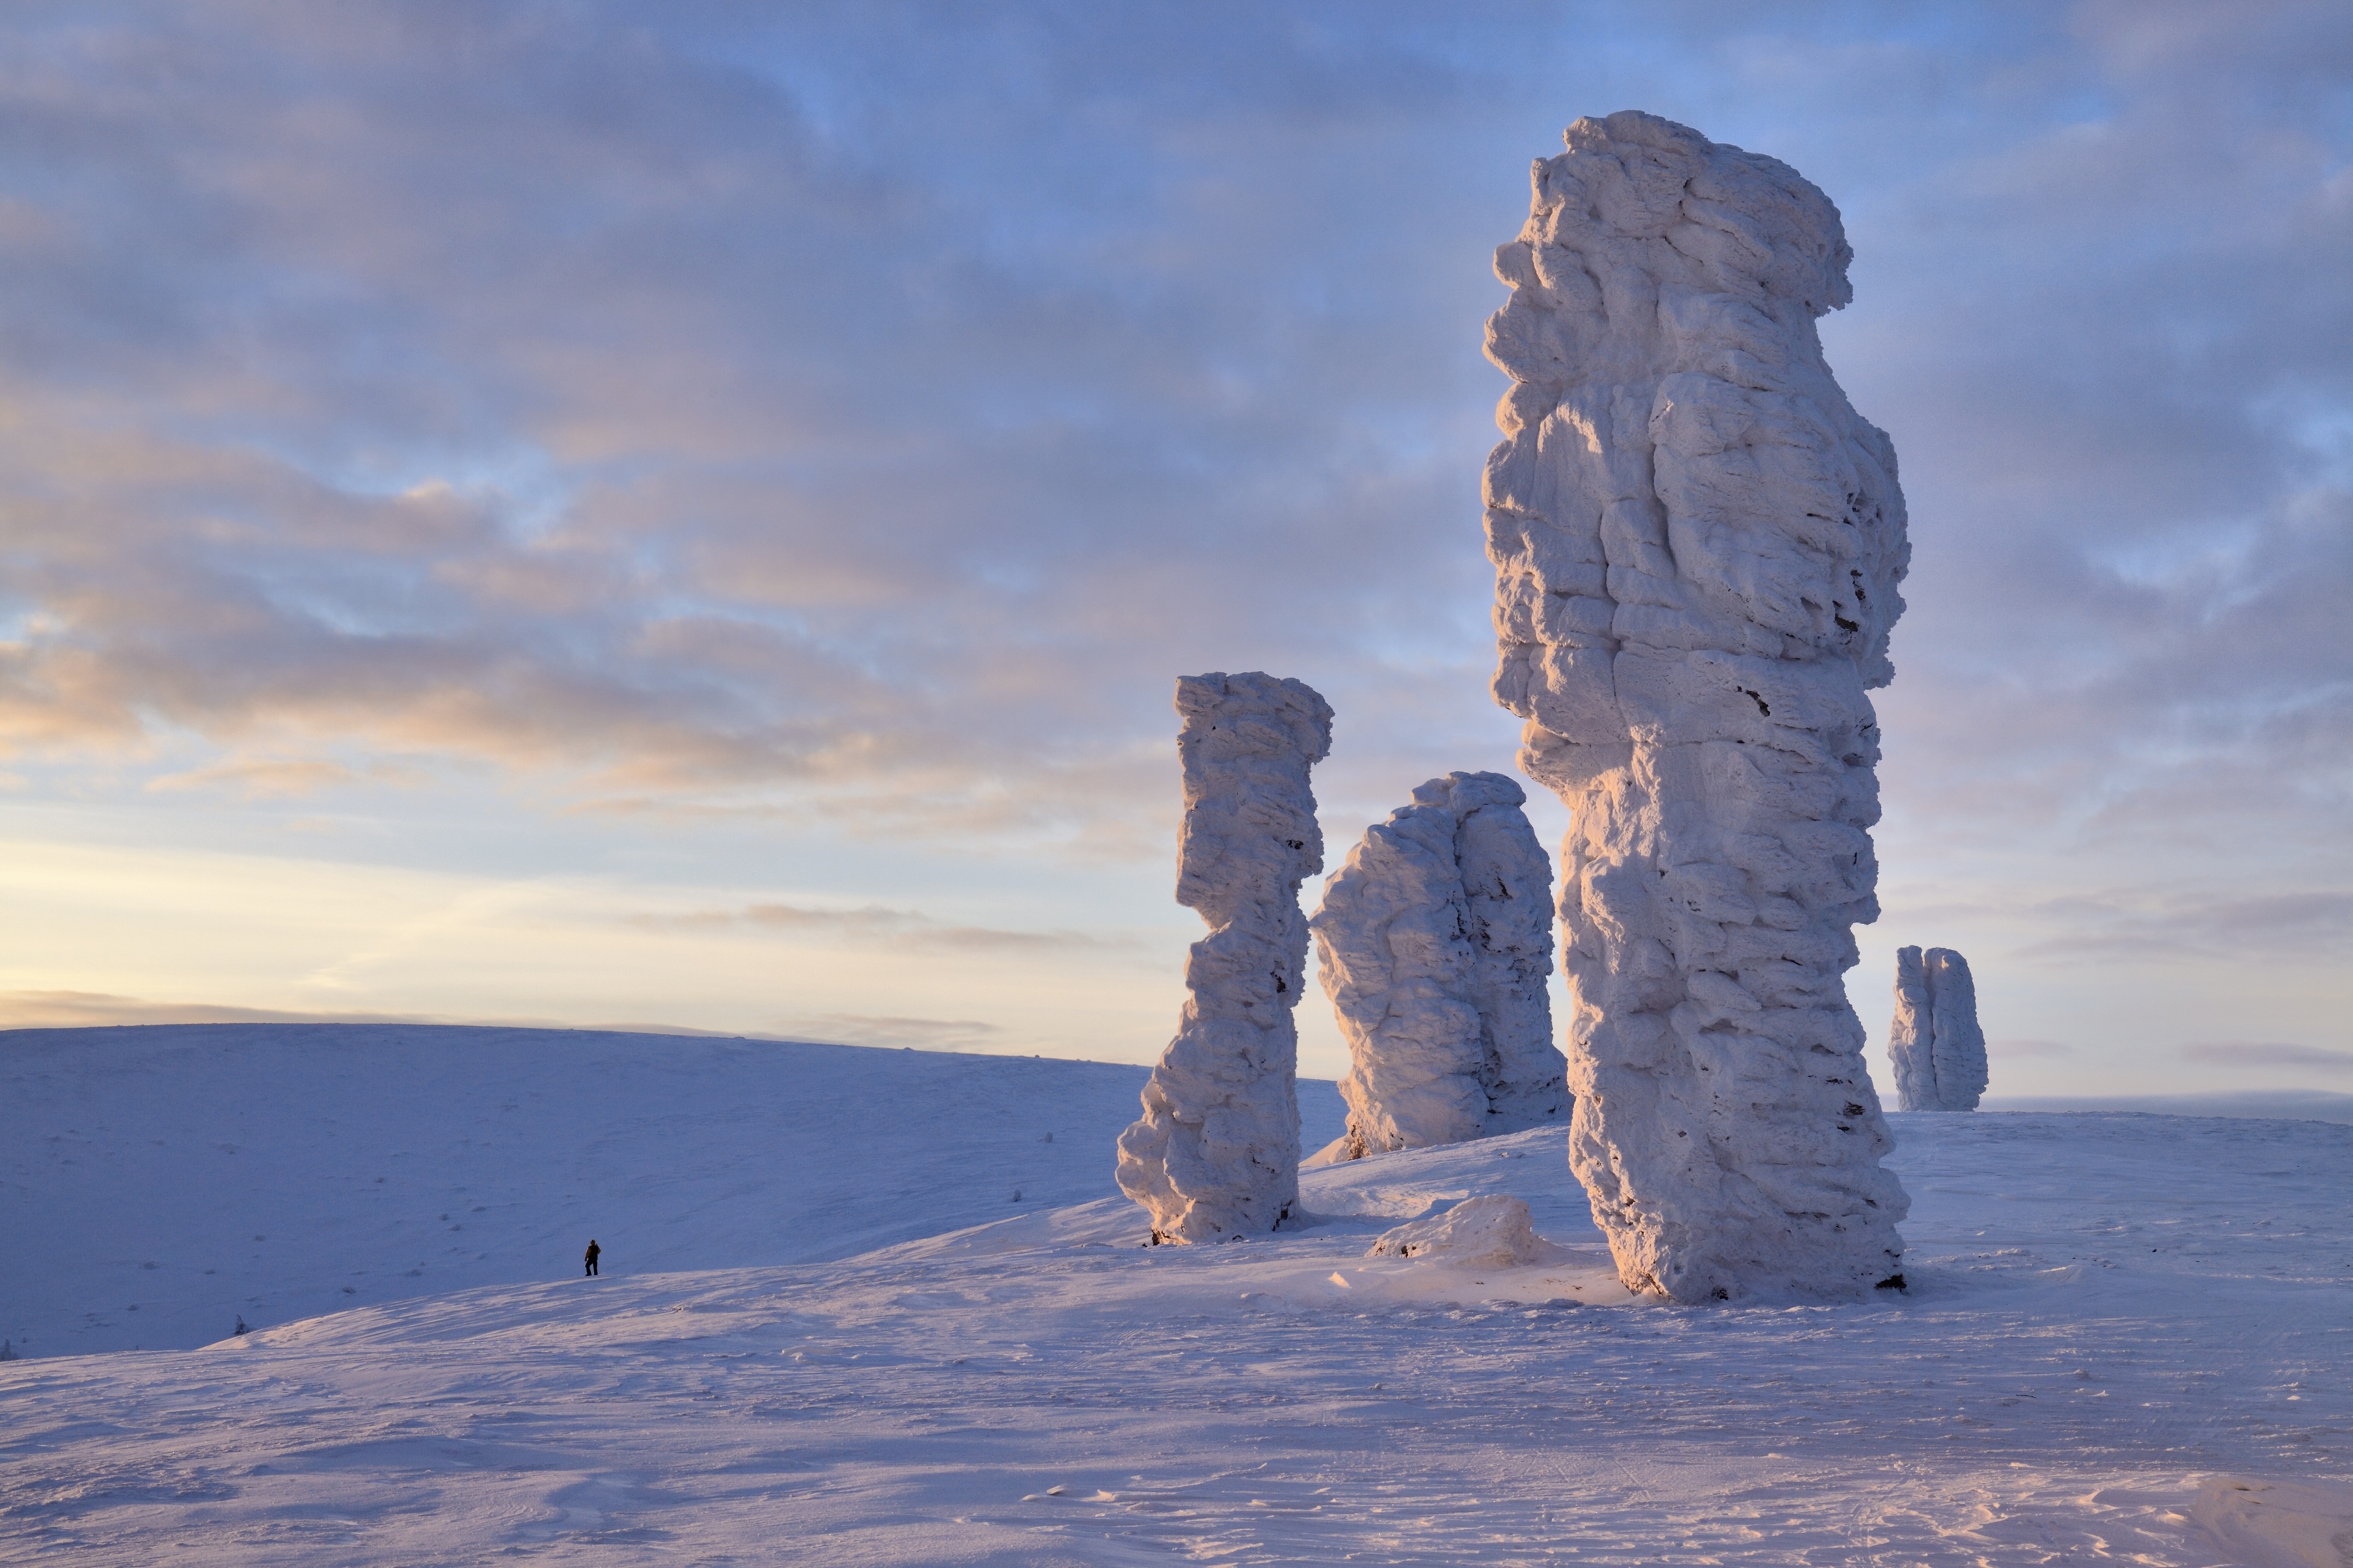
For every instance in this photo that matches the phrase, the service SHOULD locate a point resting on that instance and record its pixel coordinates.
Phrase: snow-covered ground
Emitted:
(2126, 1340)
(158, 1184)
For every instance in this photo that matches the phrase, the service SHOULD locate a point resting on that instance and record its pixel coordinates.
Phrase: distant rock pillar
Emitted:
(1434, 943)
(1216, 1155)
(1935, 1043)
(1697, 542)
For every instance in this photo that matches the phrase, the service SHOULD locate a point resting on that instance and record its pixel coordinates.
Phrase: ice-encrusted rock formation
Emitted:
(1216, 1154)
(1492, 1231)
(1697, 542)
(1936, 1045)
(1434, 943)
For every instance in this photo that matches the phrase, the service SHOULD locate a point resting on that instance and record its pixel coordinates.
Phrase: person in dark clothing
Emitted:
(590, 1255)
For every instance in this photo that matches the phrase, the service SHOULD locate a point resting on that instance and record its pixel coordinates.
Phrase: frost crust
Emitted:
(1697, 543)
(1935, 1042)
(1216, 1153)
(1434, 943)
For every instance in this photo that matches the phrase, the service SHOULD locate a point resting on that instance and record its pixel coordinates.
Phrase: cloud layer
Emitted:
(852, 421)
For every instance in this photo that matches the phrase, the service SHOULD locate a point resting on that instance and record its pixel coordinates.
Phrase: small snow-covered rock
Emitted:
(1935, 1043)
(1434, 943)
(1698, 544)
(1493, 1231)
(1216, 1154)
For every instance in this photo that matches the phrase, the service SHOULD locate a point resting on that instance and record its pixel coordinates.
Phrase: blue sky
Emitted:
(692, 515)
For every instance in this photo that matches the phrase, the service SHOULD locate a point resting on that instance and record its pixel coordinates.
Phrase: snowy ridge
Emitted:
(185, 1146)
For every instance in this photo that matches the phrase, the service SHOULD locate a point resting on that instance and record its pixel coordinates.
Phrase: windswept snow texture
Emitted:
(2126, 1341)
(1697, 543)
(1434, 943)
(1935, 1043)
(1216, 1154)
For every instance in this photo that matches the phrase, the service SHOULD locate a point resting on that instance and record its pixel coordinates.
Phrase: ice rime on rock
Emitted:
(1216, 1155)
(1935, 1042)
(1697, 543)
(1434, 943)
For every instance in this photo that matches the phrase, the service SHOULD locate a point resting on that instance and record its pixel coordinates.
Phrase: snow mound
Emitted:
(2278, 1524)
(1491, 1232)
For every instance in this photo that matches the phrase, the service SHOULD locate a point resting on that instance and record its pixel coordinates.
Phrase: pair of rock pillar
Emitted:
(1436, 939)
(1933, 1043)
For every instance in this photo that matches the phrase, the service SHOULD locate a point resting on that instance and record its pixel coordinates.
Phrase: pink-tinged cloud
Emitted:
(862, 415)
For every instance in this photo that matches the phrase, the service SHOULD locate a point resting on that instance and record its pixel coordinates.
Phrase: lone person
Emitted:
(589, 1256)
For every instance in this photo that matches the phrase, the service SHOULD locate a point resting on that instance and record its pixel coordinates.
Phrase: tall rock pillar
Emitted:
(1934, 1044)
(1216, 1154)
(1697, 542)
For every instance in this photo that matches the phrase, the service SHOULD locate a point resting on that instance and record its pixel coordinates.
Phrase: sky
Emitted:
(690, 516)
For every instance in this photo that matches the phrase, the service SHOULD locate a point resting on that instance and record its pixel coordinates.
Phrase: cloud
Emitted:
(2024, 1048)
(94, 1009)
(2159, 923)
(870, 1029)
(874, 924)
(615, 508)
(2145, 923)
(2269, 1054)
(282, 778)
(90, 1009)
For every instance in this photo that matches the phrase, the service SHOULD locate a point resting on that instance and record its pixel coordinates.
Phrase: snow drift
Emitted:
(1492, 1231)
(1697, 543)
(1433, 943)
(1216, 1153)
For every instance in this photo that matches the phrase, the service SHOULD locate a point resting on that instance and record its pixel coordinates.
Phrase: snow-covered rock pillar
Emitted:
(1434, 943)
(1216, 1155)
(1697, 543)
(1934, 1044)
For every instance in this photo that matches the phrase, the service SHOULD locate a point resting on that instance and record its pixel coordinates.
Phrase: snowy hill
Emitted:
(157, 1183)
(2126, 1340)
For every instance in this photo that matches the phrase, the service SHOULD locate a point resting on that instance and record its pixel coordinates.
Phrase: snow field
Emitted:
(2126, 1340)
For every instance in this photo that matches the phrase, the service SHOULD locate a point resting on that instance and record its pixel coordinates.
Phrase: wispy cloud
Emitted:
(872, 1030)
(2269, 1054)
(2029, 1048)
(875, 925)
(283, 778)
(2146, 923)
(2149, 922)
(86, 1009)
